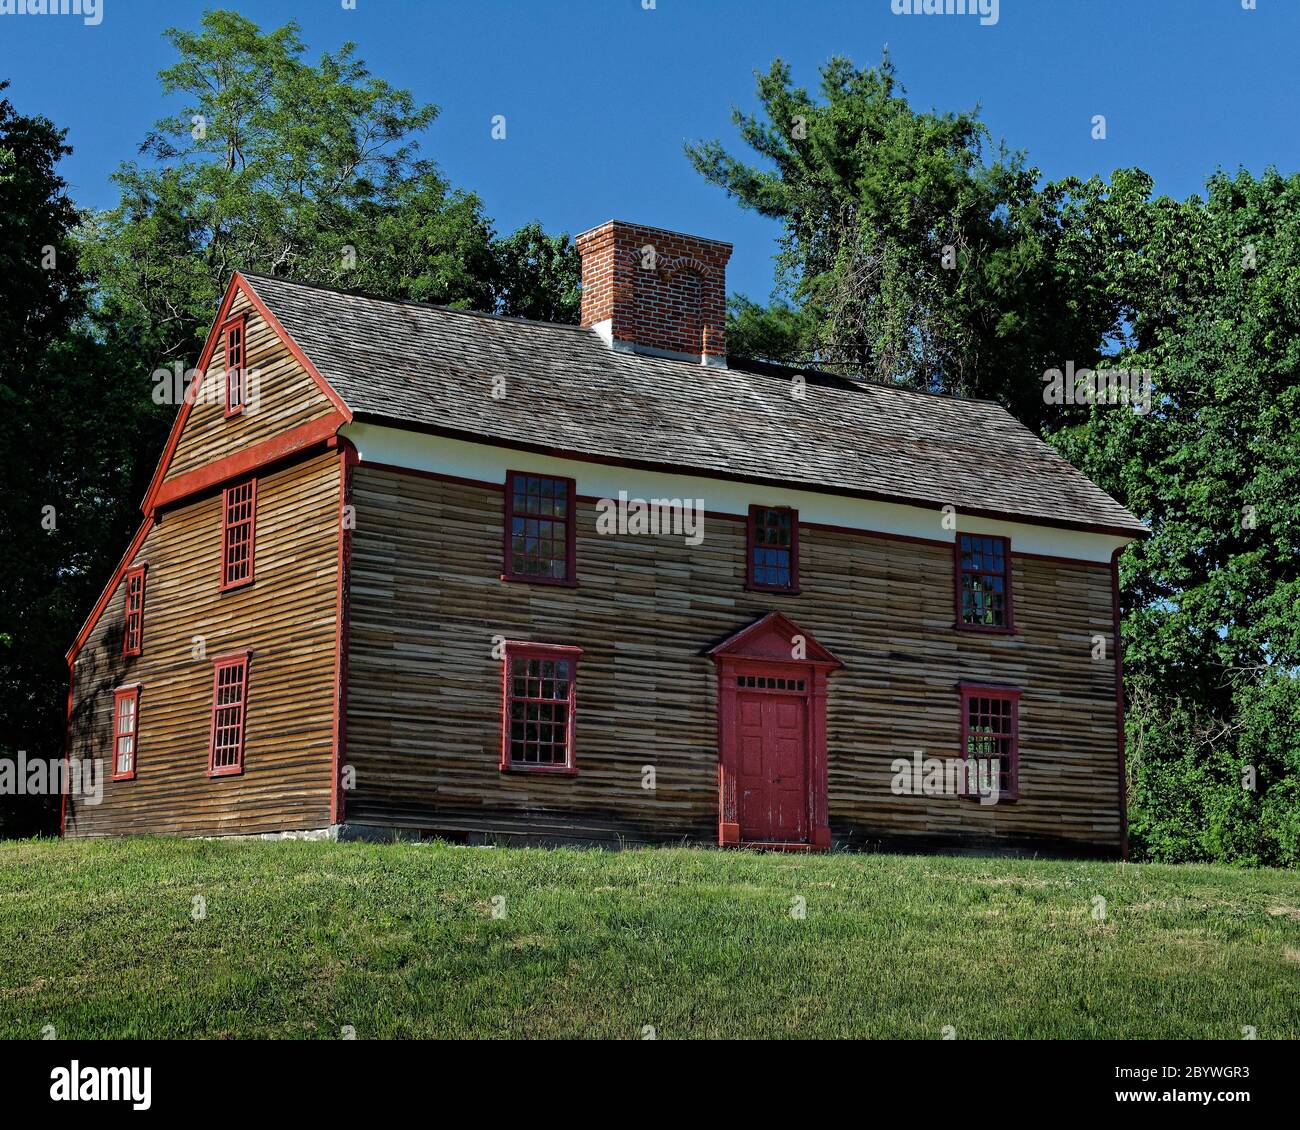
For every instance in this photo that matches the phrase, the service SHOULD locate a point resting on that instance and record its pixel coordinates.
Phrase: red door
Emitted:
(772, 781)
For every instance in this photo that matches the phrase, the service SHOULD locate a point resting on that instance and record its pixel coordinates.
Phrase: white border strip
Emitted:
(485, 462)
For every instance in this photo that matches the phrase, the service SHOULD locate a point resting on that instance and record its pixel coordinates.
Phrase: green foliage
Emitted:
(65, 465)
(1212, 630)
(778, 332)
(538, 276)
(914, 249)
(279, 166)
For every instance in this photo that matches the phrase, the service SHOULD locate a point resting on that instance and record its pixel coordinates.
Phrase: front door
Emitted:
(772, 736)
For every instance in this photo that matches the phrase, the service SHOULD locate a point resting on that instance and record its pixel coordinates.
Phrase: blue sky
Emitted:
(599, 95)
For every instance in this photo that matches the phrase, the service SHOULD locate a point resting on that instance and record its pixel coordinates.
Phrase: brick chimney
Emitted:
(647, 290)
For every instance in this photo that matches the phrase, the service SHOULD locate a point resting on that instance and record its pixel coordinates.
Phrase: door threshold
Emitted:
(774, 845)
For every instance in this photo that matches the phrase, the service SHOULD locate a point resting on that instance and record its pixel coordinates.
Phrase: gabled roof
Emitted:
(431, 368)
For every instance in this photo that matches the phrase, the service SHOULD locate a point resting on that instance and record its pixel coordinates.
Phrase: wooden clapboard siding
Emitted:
(424, 695)
(286, 617)
(282, 396)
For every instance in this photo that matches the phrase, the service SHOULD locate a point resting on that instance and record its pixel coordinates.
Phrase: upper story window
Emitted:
(538, 721)
(990, 740)
(126, 729)
(238, 525)
(539, 533)
(773, 549)
(229, 696)
(983, 580)
(233, 334)
(133, 629)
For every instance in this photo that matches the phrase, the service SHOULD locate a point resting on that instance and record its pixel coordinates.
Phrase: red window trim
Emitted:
(967, 691)
(133, 618)
(238, 322)
(227, 584)
(132, 692)
(523, 649)
(751, 524)
(570, 580)
(1009, 627)
(235, 659)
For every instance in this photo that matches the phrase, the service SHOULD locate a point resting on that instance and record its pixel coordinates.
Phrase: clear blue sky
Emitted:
(599, 95)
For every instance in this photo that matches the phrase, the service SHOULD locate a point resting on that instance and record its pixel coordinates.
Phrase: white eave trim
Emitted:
(487, 462)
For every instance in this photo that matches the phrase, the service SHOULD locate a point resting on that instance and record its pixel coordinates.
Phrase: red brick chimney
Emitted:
(653, 291)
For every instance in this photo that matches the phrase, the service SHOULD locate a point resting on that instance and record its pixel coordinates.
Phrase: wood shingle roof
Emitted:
(567, 392)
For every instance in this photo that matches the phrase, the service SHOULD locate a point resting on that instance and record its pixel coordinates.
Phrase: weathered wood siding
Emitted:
(424, 710)
(286, 617)
(283, 396)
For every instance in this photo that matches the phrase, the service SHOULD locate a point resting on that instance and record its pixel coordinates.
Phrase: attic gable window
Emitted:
(238, 525)
(229, 696)
(133, 629)
(126, 729)
(773, 549)
(983, 583)
(539, 529)
(990, 740)
(233, 335)
(539, 705)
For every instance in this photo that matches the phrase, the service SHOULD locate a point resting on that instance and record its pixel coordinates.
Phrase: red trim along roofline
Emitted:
(238, 285)
(241, 463)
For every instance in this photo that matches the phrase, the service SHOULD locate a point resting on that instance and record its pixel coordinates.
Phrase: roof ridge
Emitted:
(415, 302)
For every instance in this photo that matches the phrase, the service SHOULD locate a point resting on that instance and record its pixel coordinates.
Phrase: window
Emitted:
(229, 694)
(233, 333)
(983, 578)
(539, 532)
(126, 728)
(990, 739)
(537, 726)
(238, 519)
(133, 632)
(773, 549)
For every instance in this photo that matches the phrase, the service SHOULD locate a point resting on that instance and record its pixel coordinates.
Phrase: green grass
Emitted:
(97, 939)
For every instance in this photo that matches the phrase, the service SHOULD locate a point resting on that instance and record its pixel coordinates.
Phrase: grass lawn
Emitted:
(100, 938)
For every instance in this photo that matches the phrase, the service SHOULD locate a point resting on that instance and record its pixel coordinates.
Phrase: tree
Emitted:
(61, 441)
(914, 249)
(279, 166)
(538, 276)
(1212, 599)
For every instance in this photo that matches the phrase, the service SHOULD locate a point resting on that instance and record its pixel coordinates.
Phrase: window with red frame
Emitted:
(990, 740)
(233, 333)
(238, 521)
(133, 632)
(539, 529)
(229, 696)
(984, 582)
(538, 722)
(773, 548)
(126, 729)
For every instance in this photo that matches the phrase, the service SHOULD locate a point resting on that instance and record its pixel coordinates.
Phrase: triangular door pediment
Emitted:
(775, 637)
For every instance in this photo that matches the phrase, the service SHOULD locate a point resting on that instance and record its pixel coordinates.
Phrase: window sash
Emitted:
(235, 345)
(539, 530)
(126, 729)
(229, 701)
(990, 731)
(539, 708)
(983, 582)
(772, 549)
(238, 529)
(133, 626)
